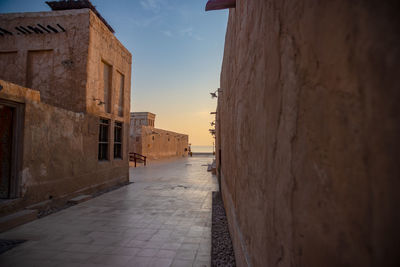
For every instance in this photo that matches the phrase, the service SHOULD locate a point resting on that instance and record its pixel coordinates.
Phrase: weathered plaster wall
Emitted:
(105, 47)
(309, 126)
(137, 120)
(53, 63)
(59, 155)
(157, 143)
(66, 68)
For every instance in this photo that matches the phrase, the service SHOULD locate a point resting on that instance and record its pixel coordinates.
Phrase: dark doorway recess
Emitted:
(10, 147)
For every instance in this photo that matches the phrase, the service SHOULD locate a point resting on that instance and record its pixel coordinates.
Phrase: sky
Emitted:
(177, 50)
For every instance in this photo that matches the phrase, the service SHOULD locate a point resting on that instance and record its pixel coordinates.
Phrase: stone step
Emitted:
(16, 219)
(79, 199)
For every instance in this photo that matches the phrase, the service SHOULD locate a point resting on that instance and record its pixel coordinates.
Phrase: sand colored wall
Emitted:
(142, 118)
(152, 142)
(309, 126)
(53, 63)
(59, 154)
(157, 143)
(67, 69)
(105, 47)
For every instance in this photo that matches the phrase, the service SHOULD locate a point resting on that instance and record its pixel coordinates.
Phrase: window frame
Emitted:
(118, 125)
(121, 93)
(102, 123)
(107, 99)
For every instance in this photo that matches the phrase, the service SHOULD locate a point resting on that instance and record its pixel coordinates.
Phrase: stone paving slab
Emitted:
(162, 219)
(18, 218)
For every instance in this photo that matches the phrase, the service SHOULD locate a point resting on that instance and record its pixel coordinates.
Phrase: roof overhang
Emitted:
(220, 4)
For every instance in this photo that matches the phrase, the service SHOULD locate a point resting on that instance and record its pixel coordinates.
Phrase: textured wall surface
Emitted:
(59, 155)
(157, 143)
(105, 47)
(53, 63)
(308, 128)
(60, 148)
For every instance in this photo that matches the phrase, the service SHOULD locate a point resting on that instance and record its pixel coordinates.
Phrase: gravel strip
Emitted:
(222, 253)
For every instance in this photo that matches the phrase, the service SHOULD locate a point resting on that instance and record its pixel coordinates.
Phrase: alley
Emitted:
(162, 219)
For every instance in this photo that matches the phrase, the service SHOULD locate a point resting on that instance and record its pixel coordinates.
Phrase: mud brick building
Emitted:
(64, 104)
(308, 127)
(152, 142)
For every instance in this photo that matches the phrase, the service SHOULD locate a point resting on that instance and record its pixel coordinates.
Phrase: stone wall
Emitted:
(59, 155)
(157, 143)
(308, 128)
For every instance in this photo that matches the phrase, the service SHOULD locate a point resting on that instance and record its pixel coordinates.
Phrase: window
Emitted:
(118, 140)
(107, 78)
(121, 78)
(103, 139)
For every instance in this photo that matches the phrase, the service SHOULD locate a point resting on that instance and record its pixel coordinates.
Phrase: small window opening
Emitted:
(103, 139)
(118, 140)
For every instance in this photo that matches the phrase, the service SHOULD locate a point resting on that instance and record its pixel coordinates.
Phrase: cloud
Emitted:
(144, 21)
(197, 37)
(167, 33)
(153, 5)
(189, 32)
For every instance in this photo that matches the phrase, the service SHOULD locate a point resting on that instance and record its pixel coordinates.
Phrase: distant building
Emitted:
(65, 125)
(152, 142)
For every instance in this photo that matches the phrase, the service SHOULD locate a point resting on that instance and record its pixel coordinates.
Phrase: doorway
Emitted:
(10, 132)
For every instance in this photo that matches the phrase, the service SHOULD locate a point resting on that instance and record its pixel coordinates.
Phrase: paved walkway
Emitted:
(162, 219)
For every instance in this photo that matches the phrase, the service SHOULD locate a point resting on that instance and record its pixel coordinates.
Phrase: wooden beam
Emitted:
(220, 4)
